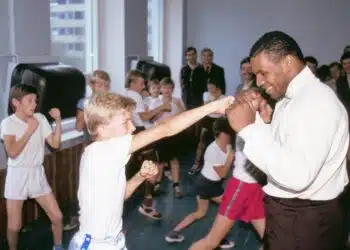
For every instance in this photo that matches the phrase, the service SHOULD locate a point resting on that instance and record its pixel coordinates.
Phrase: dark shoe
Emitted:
(174, 237)
(227, 244)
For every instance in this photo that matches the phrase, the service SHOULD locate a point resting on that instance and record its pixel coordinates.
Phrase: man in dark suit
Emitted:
(193, 83)
(212, 70)
(343, 82)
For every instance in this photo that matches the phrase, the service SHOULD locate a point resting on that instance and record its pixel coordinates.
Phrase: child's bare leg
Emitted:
(192, 217)
(259, 226)
(217, 199)
(161, 172)
(14, 221)
(175, 173)
(49, 204)
(199, 152)
(222, 225)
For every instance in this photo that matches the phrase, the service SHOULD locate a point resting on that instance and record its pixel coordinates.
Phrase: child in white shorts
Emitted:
(24, 134)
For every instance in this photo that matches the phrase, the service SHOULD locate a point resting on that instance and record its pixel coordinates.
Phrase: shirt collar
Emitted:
(298, 82)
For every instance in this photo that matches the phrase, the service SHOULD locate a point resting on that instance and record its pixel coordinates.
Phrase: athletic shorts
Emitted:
(242, 201)
(81, 241)
(24, 182)
(207, 189)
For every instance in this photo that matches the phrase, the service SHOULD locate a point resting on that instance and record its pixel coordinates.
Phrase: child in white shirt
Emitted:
(206, 135)
(169, 149)
(218, 159)
(24, 133)
(103, 186)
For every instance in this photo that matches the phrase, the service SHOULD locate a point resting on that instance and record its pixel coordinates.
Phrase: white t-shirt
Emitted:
(213, 156)
(33, 153)
(139, 108)
(174, 108)
(207, 97)
(102, 185)
(243, 169)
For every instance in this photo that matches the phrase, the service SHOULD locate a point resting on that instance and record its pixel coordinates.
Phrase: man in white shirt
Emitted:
(302, 148)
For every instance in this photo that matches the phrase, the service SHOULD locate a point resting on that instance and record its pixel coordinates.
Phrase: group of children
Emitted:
(119, 127)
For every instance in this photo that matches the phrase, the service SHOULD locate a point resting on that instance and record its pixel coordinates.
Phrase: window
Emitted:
(155, 29)
(79, 31)
(76, 1)
(74, 32)
(79, 15)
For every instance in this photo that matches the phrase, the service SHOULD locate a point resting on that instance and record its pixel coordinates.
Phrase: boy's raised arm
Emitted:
(178, 123)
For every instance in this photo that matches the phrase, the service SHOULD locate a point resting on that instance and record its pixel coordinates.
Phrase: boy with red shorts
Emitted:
(242, 200)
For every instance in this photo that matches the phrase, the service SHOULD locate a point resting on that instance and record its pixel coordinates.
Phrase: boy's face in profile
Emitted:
(99, 85)
(154, 89)
(119, 125)
(26, 105)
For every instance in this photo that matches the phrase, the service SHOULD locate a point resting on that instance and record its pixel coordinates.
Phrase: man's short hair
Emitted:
(345, 56)
(244, 60)
(189, 49)
(209, 50)
(311, 59)
(103, 107)
(277, 45)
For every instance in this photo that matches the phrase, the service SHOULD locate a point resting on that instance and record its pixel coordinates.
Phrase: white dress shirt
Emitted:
(303, 150)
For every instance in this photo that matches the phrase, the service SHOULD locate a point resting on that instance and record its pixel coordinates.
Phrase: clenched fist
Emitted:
(55, 113)
(148, 169)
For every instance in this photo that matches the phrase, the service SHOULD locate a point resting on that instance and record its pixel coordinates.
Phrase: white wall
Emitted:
(122, 32)
(174, 39)
(231, 27)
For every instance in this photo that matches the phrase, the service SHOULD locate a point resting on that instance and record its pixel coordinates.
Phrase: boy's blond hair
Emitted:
(102, 107)
(103, 75)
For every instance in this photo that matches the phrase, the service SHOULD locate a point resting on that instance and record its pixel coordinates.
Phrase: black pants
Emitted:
(295, 224)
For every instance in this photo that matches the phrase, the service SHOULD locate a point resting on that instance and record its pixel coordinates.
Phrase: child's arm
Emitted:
(14, 148)
(150, 114)
(180, 105)
(222, 170)
(80, 123)
(178, 123)
(148, 170)
(54, 139)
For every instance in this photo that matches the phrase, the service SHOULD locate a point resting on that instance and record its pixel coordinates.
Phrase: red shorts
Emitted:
(242, 201)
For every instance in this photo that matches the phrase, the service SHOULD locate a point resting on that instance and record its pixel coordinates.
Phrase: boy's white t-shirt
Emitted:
(34, 151)
(139, 108)
(213, 156)
(102, 185)
(174, 108)
(207, 97)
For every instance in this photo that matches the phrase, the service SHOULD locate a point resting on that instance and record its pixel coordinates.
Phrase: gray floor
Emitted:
(146, 234)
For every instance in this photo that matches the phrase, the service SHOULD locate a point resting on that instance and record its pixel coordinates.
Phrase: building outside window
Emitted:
(155, 29)
(74, 32)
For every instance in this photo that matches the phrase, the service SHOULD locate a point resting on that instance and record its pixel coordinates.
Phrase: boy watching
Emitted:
(24, 134)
